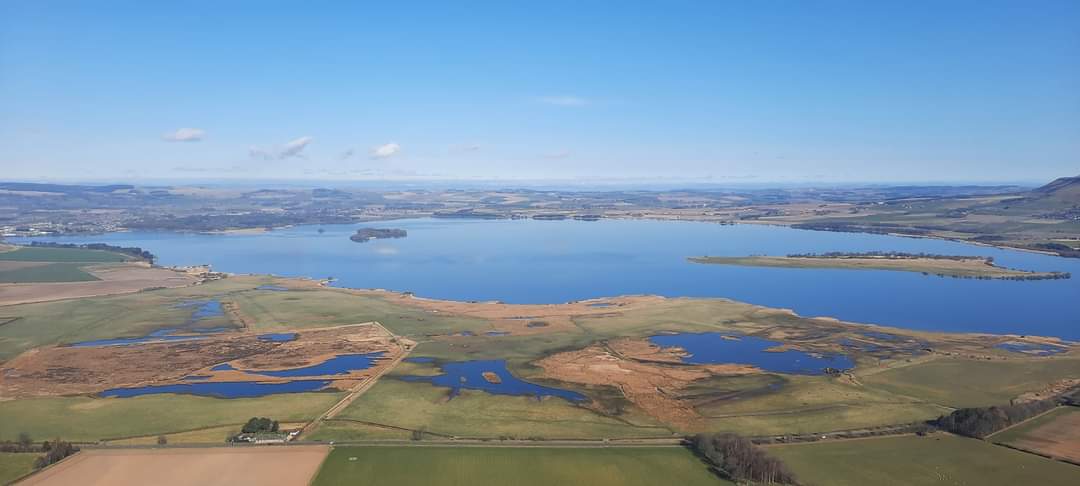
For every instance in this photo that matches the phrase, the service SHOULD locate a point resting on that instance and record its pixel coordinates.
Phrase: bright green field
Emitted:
(14, 465)
(939, 459)
(481, 466)
(91, 419)
(53, 272)
(970, 383)
(28, 254)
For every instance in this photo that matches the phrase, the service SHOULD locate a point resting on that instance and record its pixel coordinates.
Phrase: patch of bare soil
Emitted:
(646, 375)
(1057, 438)
(116, 278)
(63, 370)
(263, 466)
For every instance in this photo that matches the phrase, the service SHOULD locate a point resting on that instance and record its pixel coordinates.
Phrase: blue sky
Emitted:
(739, 91)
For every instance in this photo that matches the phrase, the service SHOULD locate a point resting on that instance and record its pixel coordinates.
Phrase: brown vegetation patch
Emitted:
(63, 370)
(15, 265)
(645, 374)
(1058, 438)
(116, 278)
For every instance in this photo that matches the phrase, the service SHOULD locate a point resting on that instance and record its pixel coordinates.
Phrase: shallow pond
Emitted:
(161, 335)
(278, 336)
(715, 348)
(1032, 348)
(470, 375)
(341, 364)
(232, 389)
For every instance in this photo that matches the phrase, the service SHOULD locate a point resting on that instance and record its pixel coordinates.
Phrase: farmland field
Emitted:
(51, 272)
(913, 460)
(14, 465)
(269, 466)
(971, 383)
(522, 466)
(1056, 434)
(92, 419)
(29, 254)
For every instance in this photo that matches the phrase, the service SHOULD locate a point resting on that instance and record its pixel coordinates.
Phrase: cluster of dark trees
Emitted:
(880, 228)
(127, 250)
(364, 234)
(259, 424)
(53, 451)
(983, 421)
(899, 255)
(740, 460)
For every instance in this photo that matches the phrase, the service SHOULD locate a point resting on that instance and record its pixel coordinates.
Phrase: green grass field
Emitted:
(14, 465)
(481, 466)
(328, 307)
(473, 413)
(971, 383)
(31, 254)
(92, 419)
(69, 321)
(53, 272)
(938, 459)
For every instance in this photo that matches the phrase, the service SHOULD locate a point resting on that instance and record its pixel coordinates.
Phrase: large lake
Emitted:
(527, 261)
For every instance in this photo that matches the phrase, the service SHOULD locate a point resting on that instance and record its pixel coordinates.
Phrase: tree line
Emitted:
(127, 250)
(53, 451)
(739, 459)
(980, 422)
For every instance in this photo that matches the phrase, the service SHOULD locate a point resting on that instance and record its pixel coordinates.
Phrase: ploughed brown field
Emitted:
(262, 466)
(116, 278)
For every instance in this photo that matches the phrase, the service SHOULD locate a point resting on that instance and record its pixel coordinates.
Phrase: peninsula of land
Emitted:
(927, 264)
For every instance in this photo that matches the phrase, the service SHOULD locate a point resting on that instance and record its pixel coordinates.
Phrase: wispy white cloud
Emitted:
(563, 100)
(465, 147)
(291, 149)
(386, 150)
(184, 135)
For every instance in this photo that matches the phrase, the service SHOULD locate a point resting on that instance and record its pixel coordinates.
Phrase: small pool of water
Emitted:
(341, 364)
(278, 336)
(470, 375)
(496, 333)
(228, 389)
(274, 288)
(202, 309)
(714, 347)
(161, 335)
(1032, 348)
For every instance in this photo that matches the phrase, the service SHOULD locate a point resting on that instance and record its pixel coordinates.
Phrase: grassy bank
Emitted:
(912, 460)
(481, 466)
(92, 419)
(967, 267)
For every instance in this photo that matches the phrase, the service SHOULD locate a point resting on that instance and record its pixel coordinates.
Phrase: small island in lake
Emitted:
(364, 235)
(925, 263)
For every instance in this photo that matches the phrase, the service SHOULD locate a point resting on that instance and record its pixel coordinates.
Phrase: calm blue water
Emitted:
(202, 309)
(160, 335)
(469, 374)
(419, 359)
(278, 336)
(712, 348)
(236, 389)
(1032, 348)
(527, 261)
(341, 364)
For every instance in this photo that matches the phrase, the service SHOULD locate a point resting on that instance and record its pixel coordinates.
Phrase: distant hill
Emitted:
(1067, 188)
